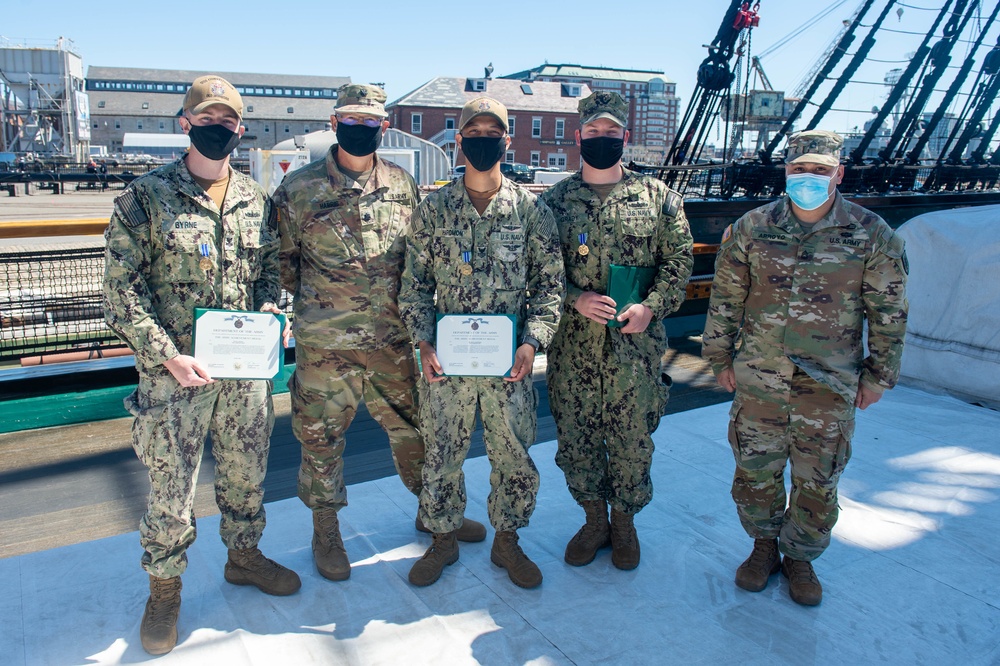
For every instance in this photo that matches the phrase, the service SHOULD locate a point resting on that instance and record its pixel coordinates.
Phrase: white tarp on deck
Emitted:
(953, 334)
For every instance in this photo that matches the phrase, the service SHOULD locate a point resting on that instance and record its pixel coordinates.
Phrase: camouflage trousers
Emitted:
(326, 389)
(448, 417)
(812, 430)
(168, 435)
(606, 406)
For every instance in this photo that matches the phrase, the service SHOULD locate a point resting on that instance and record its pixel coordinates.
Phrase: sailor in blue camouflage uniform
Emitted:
(605, 386)
(482, 245)
(795, 282)
(195, 233)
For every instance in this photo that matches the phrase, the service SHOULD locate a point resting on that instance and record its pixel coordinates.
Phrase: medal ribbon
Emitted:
(583, 238)
(204, 250)
(466, 256)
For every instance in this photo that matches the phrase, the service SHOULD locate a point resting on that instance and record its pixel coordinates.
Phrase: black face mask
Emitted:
(602, 152)
(483, 152)
(359, 140)
(214, 141)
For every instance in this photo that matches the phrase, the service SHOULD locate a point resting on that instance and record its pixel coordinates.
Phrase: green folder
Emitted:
(628, 285)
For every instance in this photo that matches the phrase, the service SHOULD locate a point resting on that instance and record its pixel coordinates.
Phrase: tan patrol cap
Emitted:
(361, 98)
(603, 104)
(209, 90)
(483, 106)
(817, 146)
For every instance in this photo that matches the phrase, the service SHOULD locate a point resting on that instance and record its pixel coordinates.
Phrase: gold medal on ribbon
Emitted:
(465, 269)
(583, 250)
(205, 264)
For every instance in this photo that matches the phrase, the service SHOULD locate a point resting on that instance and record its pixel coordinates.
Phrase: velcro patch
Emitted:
(131, 211)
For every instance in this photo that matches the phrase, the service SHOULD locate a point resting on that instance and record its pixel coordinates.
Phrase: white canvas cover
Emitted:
(953, 334)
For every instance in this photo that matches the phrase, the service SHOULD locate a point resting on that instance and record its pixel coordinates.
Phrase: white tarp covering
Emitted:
(953, 334)
(911, 577)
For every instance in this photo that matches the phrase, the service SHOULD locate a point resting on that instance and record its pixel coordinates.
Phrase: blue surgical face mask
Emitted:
(808, 191)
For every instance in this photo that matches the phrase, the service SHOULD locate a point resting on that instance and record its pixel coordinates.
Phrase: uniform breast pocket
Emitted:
(182, 254)
(325, 240)
(451, 251)
(508, 265)
(638, 238)
(252, 240)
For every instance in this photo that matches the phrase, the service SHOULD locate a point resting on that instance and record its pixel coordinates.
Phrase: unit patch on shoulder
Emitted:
(131, 211)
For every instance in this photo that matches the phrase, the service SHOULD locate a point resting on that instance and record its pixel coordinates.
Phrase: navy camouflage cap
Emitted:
(818, 146)
(361, 98)
(603, 104)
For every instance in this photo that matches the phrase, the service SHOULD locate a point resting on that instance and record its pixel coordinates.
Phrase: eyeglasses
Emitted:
(367, 122)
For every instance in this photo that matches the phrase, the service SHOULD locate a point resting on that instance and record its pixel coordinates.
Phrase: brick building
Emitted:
(654, 106)
(542, 114)
(276, 106)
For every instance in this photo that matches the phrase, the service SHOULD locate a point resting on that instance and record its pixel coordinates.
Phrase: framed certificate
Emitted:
(238, 344)
(476, 345)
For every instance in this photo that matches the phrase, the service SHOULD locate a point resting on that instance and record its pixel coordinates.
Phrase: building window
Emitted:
(145, 105)
(449, 123)
(512, 122)
(100, 105)
(138, 124)
(305, 130)
(536, 128)
(416, 123)
(479, 85)
(560, 127)
(163, 126)
(250, 108)
(557, 160)
(118, 124)
(536, 158)
(291, 109)
(95, 125)
(288, 129)
(267, 129)
(509, 157)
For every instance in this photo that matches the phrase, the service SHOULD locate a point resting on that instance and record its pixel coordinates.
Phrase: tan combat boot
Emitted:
(803, 585)
(471, 531)
(249, 567)
(763, 562)
(624, 541)
(158, 631)
(443, 552)
(327, 546)
(594, 535)
(506, 554)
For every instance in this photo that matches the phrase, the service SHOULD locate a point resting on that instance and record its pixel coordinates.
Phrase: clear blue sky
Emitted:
(404, 44)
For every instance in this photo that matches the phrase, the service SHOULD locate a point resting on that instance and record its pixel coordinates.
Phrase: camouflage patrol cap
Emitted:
(603, 104)
(819, 146)
(361, 98)
(209, 90)
(483, 106)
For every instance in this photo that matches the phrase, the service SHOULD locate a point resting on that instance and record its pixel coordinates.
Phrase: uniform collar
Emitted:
(837, 216)
(502, 203)
(377, 181)
(187, 185)
(629, 185)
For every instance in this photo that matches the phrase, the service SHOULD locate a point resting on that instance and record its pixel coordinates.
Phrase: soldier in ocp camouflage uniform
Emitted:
(194, 233)
(605, 388)
(481, 244)
(795, 281)
(342, 221)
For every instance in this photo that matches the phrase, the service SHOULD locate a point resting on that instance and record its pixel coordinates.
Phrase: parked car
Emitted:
(458, 171)
(519, 173)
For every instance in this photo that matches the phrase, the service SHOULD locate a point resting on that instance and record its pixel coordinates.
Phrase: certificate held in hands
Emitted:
(628, 285)
(238, 344)
(476, 345)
